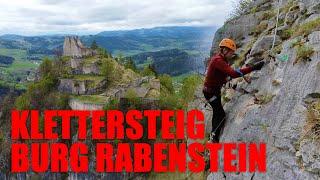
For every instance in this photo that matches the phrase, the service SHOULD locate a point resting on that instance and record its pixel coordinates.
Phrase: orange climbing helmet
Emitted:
(228, 43)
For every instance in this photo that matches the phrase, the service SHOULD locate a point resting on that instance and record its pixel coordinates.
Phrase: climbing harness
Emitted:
(212, 99)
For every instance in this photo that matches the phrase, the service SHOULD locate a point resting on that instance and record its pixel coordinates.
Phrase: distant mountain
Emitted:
(190, 44)
(34, 45)
(172, 61)
(128, 42)
(167, 32)
(160, 38)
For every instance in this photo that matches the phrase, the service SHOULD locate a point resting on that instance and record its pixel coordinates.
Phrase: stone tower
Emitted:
(73, 47)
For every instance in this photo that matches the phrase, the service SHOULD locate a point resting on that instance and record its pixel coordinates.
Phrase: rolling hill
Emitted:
(179, 45)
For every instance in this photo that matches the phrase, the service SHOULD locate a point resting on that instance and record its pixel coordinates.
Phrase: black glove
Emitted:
(258, 65)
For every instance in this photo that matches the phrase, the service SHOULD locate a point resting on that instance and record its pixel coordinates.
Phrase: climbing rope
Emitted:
(284, 57)
(214, 132)
(276, 29)
(271, 55)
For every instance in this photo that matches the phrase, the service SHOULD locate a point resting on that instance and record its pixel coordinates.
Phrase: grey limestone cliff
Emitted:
(73, 47)
(277, 107)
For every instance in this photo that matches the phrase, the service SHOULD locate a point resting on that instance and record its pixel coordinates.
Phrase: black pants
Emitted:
(218, 114)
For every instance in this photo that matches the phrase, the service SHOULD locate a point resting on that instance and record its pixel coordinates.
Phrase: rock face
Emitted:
(91, 69)
(89, 86)
(73, 47)
(78, 105)
(85, 66)
(276, 110)
(80, 87)
(235, 29)
(263, 44)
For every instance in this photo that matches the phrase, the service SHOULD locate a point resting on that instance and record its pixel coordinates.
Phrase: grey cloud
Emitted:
(103, 14)
(31, 12)
(43, 16)
(52, 2)
(59, 22)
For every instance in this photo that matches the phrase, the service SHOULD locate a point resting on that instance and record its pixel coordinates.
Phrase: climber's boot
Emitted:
(213, 138)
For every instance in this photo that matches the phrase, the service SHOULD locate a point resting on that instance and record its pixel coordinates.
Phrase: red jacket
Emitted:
(218, 71)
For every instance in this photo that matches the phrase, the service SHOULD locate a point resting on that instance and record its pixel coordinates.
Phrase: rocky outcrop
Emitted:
(73, 47)
(90, 65)
(70, 86)
(275, 109)
(236, 29)
(81, 87)
(92, 68)
(145, 87)
(76, 63)
(85, 80)
(80, 105)
(263, 44)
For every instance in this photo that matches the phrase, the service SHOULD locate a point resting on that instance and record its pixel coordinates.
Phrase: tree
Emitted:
(120, 58)
(241, 8)
(94, 44)
(129, 64)
(103, 52)
(7, 105)
(189, 86)
(112, 104)
(108, 70)
(45, 67)
(42, 95)
(166, 83)
(23, 102)
(149, 71)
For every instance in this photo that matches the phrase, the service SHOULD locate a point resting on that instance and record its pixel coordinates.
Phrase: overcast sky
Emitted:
(38, 17)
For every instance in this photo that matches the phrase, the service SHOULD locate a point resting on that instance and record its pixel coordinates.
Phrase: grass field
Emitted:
(12, 75)
(18, 54)
(20, 62)
(21, 65)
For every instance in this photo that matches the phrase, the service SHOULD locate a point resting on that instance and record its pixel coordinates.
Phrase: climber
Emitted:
(218, 73)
